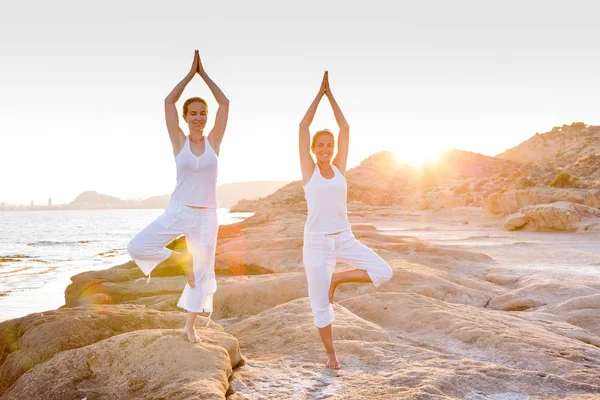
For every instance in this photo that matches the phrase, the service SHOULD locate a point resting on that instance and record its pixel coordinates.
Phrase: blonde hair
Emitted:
(320, 133)
(190, 101)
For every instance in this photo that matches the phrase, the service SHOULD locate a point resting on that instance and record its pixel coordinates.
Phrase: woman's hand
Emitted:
(195, 63)
(324, 84)
(326, 81)
(200, 68)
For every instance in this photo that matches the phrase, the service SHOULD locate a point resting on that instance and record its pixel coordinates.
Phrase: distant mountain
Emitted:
(573, 149)
(95, 200)
(227, 195)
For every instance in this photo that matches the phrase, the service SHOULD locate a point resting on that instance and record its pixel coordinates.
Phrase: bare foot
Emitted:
(188, 268)
(192, 335)
(332, 362)
(333, 286)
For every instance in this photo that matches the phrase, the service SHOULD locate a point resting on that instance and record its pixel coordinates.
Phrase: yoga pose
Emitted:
(193, 207)
(328, 237)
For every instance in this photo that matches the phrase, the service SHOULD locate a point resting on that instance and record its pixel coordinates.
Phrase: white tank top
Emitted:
(196, 177)
(326, 199)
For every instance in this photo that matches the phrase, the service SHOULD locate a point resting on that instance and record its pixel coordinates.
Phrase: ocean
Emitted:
(41, 250)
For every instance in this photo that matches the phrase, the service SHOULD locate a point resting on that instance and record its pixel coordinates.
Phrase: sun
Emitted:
(418, 154)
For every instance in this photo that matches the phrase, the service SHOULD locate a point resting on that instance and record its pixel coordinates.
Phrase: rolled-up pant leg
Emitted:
(319, 262)
(148, 249)
(353, 252)
(201, 239)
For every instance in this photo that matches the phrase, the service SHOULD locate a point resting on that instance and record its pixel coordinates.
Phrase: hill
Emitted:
(573, 150)
(227, 195)
(458, 178)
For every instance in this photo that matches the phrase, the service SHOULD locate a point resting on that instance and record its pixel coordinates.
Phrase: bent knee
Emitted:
(382, 274)
(135, 248)
(387, 272)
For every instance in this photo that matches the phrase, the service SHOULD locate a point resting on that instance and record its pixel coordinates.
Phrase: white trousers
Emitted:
(320, 254)
(200, 226)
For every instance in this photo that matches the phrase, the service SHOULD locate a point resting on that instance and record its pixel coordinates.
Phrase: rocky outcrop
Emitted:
(572, 149)
(516, 221)
(536, 295)
(28, 342)
(159, 363)
(509, 202)
(394, 345)
(459, 178)
(451, 323)
(559, 216)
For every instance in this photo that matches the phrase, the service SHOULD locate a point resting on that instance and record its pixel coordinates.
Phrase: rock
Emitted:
(561, 216)
(28, 341)
(241, 296)
(407, 346)
(286, 328)
(582, 311)
(536, 295)
(516, 221)
(98, 292)
(258, 261)
(145, 364)
(509, 202)
(478, 334)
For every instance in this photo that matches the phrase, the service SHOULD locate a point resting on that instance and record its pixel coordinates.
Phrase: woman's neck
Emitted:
(196, 136)
(324, 166)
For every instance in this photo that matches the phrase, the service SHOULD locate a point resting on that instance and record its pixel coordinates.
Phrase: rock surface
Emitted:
(559, 216)
(509, 202)
(470, 313)
(29, 341)
(159, 364)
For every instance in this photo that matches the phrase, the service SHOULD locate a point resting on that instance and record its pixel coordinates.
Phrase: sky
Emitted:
(82, 84)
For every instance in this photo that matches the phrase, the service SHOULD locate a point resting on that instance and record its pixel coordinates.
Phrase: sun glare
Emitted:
(418, 154)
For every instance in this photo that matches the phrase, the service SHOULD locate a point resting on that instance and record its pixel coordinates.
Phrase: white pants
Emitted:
(320, 254)
(200, 226)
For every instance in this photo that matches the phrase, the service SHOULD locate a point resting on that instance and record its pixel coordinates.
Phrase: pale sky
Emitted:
(82, 83)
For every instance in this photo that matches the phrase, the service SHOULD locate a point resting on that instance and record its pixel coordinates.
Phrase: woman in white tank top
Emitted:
(192, 210)
(328, 236)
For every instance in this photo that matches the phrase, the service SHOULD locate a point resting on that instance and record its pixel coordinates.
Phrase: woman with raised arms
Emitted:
(328, 237)
(192, 210)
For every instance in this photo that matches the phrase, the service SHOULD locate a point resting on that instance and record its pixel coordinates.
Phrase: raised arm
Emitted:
(218, 131)
(307, 164)
(175, 133)
(344, 135)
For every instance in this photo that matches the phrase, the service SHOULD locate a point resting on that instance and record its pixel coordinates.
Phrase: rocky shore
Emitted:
(455, 322)
(495, 295)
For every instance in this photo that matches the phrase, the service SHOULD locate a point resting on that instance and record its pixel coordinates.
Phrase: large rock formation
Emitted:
(559, 216)
(394, 345)
(143, 364)
(511, 201)
(573, 149)
(74, 346)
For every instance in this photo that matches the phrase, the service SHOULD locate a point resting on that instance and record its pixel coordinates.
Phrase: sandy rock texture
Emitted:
(465, 316)
(561, 216)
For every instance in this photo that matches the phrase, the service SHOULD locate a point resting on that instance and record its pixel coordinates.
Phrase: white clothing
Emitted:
(321, 252)
(326, 200)
(200, 226)
(196, 177)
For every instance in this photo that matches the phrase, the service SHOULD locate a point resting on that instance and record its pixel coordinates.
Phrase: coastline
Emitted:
(38, 260)
(454, 304)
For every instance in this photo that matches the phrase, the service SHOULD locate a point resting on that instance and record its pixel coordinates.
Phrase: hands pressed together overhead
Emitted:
(197, 66)
(325, 89)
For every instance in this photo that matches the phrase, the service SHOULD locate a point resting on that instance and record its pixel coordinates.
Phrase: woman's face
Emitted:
(196, 116)
(324, 147)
